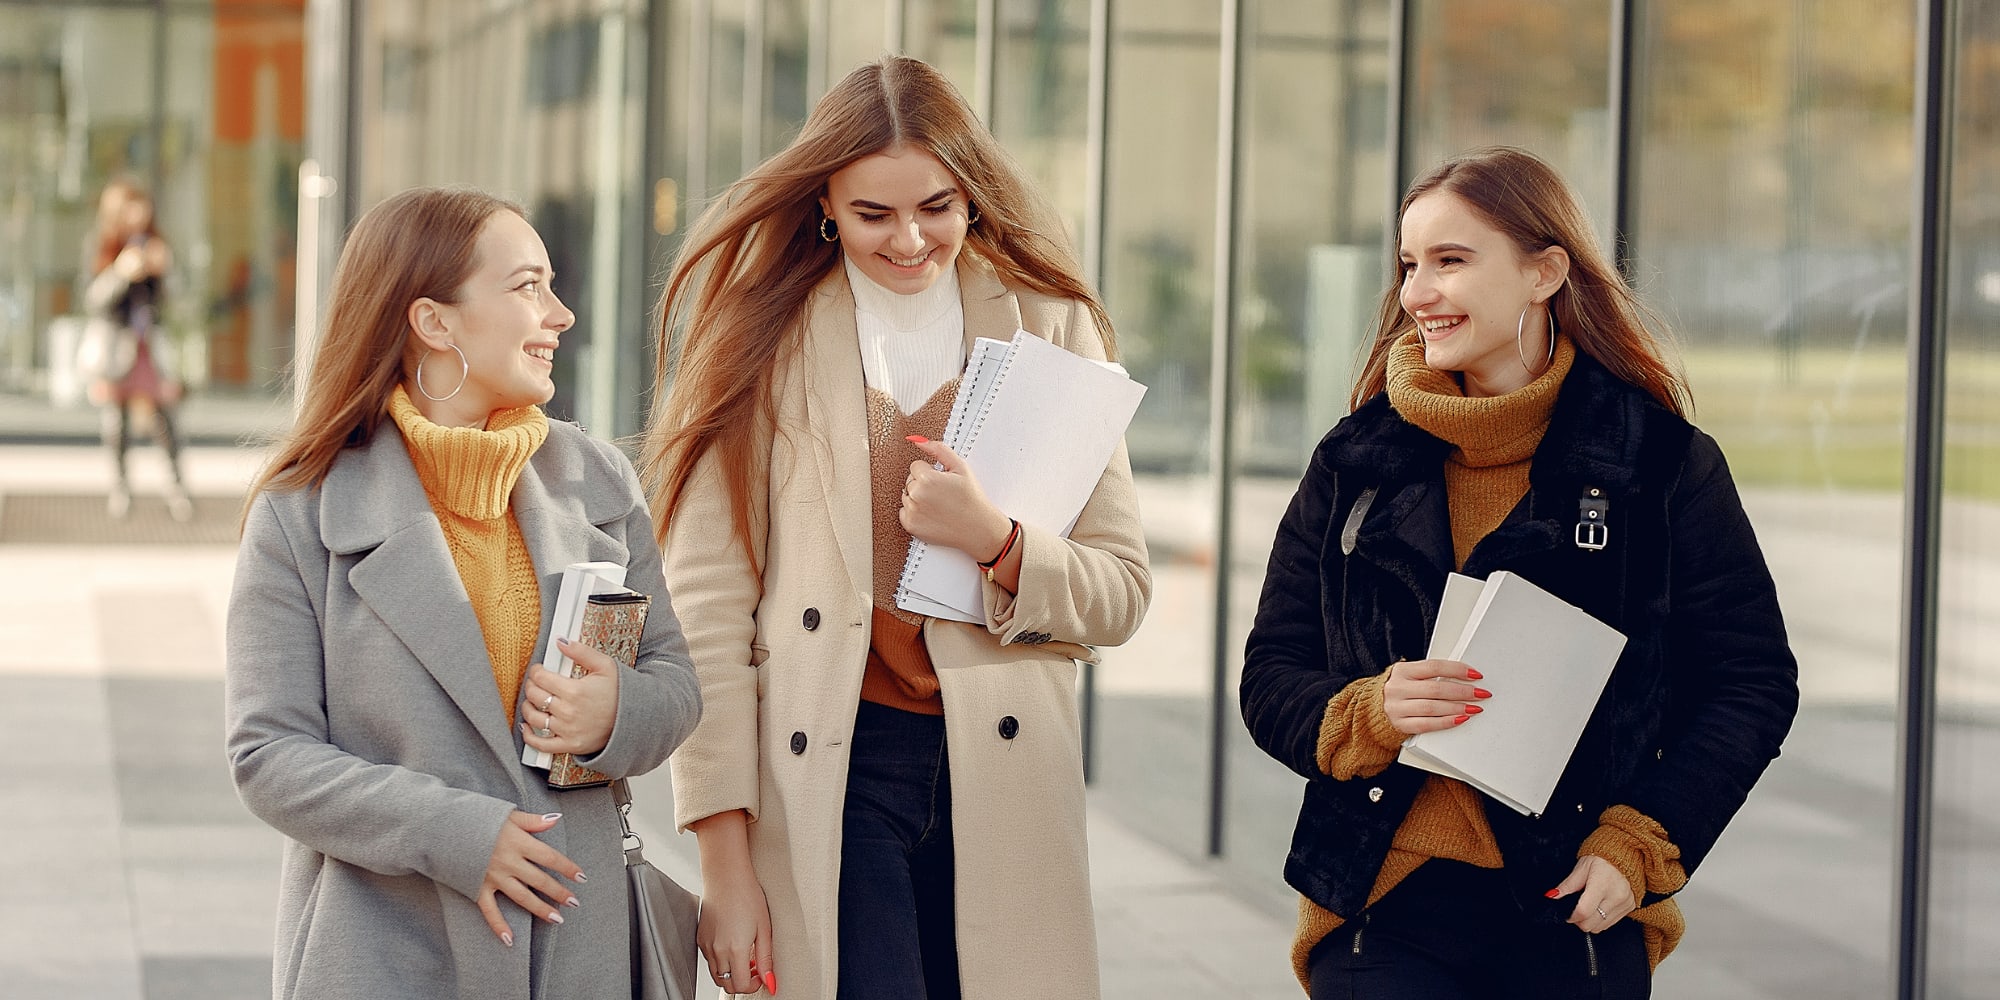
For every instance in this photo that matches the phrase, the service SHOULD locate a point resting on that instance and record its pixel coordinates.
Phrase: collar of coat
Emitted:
(1597, 434)
(373, 491)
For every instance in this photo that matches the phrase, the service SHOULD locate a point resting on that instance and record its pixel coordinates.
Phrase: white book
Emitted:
(1038, 429)
(1546, 663)
(579, 581)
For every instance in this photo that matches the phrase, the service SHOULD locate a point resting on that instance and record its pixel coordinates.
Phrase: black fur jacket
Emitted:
(1697, 706)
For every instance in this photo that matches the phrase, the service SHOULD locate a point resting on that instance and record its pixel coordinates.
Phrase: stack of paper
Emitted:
(1037, 425)
(1545, 661)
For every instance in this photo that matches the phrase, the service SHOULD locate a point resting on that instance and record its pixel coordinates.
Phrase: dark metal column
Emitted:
(1222, 402)
(1917, 712)
(1399, 115)
(1624, 129)
(1097, 138)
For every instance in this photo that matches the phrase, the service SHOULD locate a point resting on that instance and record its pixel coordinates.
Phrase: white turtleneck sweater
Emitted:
(910, 344)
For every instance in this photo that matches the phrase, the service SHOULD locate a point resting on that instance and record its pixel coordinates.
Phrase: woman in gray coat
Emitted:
(398, 569)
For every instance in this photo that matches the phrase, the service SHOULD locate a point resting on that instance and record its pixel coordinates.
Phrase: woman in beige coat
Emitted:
(887, 804)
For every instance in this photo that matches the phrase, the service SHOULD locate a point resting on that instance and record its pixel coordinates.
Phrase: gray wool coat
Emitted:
(363, 722)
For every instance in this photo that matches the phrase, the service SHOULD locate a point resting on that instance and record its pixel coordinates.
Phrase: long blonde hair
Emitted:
(421, 243)
(740, 282)
(1528, 202)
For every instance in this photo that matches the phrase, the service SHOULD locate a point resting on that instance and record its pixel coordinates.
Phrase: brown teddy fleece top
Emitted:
(899, 672)
(1485, 478)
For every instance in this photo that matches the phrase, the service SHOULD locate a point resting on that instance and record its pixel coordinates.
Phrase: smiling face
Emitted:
(902, 217)
(507, 320)
(1466, 285)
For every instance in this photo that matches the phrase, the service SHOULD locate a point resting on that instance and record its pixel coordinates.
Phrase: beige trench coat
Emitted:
(780, 666)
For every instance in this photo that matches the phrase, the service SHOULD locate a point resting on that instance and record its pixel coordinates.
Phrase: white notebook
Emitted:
(1544, 660)
(1037, 425)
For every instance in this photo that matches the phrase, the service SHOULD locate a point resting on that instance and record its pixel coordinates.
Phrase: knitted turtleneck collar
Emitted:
(1490, 430)
(468, 471)
(903, 313)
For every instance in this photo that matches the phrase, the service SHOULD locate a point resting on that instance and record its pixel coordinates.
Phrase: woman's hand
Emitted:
(520, 869)
(1603, 897)
(576, 712)
(1424, 696)
(734, 934)
(946, 506)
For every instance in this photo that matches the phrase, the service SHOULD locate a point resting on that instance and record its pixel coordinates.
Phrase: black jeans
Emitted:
(897, 934)
(1452, 931)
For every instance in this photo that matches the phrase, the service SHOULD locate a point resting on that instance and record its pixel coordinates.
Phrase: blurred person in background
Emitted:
(122, 351)
(398, 569)
(1513, 399)
(888, 804)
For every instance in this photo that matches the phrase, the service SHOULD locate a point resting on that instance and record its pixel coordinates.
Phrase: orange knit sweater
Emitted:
(1485, 478)
(468, 475)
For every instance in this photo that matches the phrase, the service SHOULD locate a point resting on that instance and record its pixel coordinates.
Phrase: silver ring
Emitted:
(724, 975)
(550, 700)
(545, 732)
(1601, 915)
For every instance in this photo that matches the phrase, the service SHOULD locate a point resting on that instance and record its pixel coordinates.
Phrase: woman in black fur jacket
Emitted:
(1515, 413)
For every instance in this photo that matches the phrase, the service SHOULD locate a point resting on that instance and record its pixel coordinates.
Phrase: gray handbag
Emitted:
(664, 917)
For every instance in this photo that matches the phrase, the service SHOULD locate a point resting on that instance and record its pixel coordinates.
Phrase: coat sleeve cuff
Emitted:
(1356, 738)
(1637, 846)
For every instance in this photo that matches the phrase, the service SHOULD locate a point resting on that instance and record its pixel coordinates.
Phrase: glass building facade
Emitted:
(1808, 195)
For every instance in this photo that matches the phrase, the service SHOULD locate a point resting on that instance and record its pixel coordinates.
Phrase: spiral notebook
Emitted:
(1037, 425)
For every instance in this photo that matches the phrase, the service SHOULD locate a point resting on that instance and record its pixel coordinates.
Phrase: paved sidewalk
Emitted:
(137, 873)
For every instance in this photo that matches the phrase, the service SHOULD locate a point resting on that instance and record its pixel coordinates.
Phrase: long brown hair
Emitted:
(1526, 200)
(421, 243)
(108, 240)
(740, 282)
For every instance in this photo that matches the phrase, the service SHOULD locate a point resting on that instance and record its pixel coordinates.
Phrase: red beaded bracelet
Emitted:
(1013, 532)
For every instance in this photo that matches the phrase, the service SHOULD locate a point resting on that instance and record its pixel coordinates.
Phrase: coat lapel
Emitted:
(990, 309)
(836, 411)
(560, 507)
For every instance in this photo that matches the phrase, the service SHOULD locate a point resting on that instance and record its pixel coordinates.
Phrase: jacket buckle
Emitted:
(1592, 533)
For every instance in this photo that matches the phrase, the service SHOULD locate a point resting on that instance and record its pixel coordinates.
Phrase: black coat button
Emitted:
(798, 743)
(1008, 727)
(811, 619)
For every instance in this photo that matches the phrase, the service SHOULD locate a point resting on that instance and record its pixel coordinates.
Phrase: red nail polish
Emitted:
(917, 439)
(1481, 693)
(1474, 674)
(1553, 894)
(1473, 710)
(1460, 721)
(771, 982)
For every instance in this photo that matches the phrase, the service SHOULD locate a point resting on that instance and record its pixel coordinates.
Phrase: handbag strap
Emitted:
(621, 796)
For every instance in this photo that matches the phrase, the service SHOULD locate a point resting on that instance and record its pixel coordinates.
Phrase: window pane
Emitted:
(1483, 74)
(1772, 233)
(1152, 747)
(1312, 265)
(1965, 844)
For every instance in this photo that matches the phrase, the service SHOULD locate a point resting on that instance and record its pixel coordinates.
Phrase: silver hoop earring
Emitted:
(465, 369)
(828, 229)
(1521, 350)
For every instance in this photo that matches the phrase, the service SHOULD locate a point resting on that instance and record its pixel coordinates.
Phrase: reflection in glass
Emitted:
(1312, 262)
(1771, 229)
(1153, 709)
(1965, 846)
(1481, 74)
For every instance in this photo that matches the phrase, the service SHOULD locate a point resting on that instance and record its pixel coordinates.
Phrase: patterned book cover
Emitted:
(613, 623)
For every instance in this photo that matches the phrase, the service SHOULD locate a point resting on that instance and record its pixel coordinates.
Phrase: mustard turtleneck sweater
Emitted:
(1485, 477)
(468, 474)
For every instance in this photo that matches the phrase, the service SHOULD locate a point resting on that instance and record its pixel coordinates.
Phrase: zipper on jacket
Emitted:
(1590, 948)
(1359, 926)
